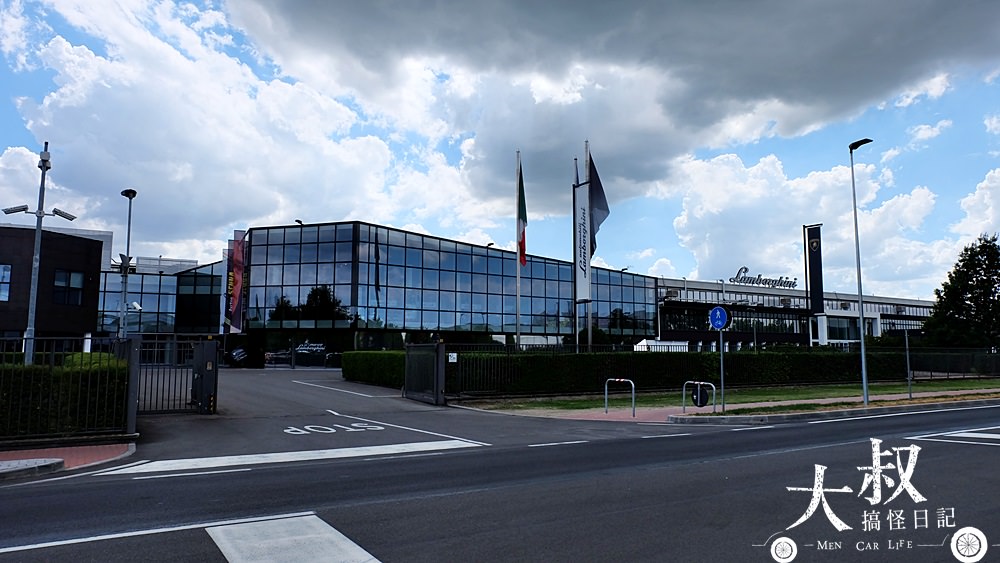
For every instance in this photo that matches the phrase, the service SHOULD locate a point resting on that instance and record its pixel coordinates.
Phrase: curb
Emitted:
(29, 467)
(759, 419)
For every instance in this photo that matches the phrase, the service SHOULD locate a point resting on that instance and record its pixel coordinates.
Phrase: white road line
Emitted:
(170, 475)
(339, 390)
(284, 457)
(909, 413)
(666, 436)
(305, 539)
(121, 535)
(380, 423)
(556, 444)
(982, 435)
(945, 441)
(751, 428)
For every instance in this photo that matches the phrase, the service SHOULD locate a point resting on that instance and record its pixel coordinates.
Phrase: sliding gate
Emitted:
(177, 376)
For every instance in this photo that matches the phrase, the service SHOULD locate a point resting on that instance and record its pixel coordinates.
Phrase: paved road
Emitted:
(278, 476)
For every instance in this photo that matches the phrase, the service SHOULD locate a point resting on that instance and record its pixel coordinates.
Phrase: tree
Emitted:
(967, 311)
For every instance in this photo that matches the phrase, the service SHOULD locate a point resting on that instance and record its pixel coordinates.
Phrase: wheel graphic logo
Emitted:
(784, 549)
(968, 545)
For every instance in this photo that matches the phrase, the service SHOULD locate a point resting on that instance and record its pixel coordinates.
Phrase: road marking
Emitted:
(343, 390)
(982, 435)
(303, 539)
(666, 435)
(751, 428)
(557, 444)
(335, 413)
(190, 474)
(136, 533)
(285, 457)
(909, 413)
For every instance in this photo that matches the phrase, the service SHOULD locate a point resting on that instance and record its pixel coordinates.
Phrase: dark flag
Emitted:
(599, 209)
(814, 269)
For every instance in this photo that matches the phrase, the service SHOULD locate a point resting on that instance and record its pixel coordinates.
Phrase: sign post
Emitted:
(719, 318)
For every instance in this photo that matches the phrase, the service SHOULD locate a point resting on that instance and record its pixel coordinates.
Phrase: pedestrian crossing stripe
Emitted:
(302, 539)
(201, 463)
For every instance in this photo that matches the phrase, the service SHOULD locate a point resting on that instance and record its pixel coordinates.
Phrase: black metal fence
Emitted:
(66, 391)
(506, 370)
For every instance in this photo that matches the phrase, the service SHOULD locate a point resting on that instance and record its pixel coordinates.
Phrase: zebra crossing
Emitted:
(989, 436)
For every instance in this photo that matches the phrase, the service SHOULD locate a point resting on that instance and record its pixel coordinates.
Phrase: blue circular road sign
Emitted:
(718, 318)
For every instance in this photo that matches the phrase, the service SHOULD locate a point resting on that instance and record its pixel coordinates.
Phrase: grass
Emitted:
(751, 395)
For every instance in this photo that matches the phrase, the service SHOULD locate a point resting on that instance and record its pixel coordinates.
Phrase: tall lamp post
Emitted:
(857, 254)
(125, 263)
(44, 164)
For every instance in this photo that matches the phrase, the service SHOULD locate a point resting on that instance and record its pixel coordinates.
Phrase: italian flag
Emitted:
(522, 218)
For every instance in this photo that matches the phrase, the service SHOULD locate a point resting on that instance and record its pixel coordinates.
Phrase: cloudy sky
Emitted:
(719, 127)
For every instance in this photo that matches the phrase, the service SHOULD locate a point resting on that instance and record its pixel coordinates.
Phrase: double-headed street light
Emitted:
(44, 164)
(857, 254)
(125, 262)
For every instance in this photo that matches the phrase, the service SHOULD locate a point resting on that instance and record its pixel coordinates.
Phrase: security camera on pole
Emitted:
(44, 164)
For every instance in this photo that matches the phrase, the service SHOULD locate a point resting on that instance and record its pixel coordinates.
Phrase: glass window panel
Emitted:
(414, 240)
(447, 280)
(325, 252)
(509, 304)
(537, 306)
(494, 284)
(464, 302)
(509, 285)
(414, 299)
(345, 251)
(494, 265)
(510, 267)
(479, 283)
(537, 268)
(430, 299)
(430, 279)
(446, 319)
(274, 275)
(310, 234)
(293, 235)
(447, 301)
(307, 275)
(345, 232)
(343, 294)
(464, 282)
(479, 264)
(396, 237)
(432, 258)
(308, 253)
(393, 297)
(275, 236)
(396, 255)
(291, 274)
(396, 276)
(616, 292)
(479, 302)
(414, 277)
(551, 288)
(537, 287)
(430, 320)
(327, 233)
(343, 274)
(414, 257)
(494, 303)
(447, 260)
(411, 319)
(463, 262)
(324, 274)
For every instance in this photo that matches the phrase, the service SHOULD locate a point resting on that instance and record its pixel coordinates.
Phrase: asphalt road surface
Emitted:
(302, 466)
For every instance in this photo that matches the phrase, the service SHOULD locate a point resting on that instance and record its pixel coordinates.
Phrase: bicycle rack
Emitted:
(698, 384)
(629, 381)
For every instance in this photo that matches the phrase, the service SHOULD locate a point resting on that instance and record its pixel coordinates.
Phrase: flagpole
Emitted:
(590, 329)
(573, 255)
(517, 236)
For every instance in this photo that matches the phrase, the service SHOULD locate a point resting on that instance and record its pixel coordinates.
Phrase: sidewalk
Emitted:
(16, 464)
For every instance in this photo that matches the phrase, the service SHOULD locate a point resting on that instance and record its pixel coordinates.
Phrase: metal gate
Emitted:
(177, 376)
(424, 375)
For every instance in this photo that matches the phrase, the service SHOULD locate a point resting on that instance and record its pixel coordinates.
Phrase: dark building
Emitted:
(69, 276)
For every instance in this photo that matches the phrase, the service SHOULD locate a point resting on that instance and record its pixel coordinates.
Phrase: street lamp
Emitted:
(125, 260)
(44, 164)
(857, 254)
